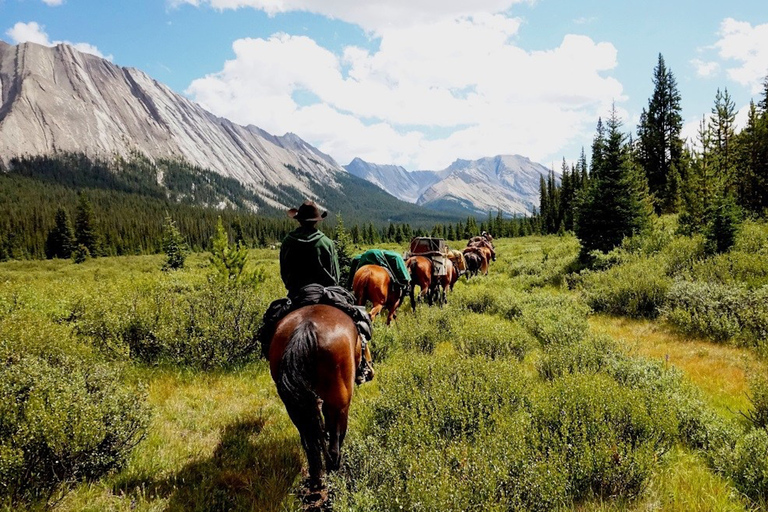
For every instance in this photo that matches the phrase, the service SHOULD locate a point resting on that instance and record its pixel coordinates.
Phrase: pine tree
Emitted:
(598, 150)
(61, 238)
(615, 204)
(722, 121)
(660, 146)
(174, 246)
(228, 262)
(343, 242)
(85, 226)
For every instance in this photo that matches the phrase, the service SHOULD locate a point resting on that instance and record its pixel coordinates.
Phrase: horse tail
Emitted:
(294, 384)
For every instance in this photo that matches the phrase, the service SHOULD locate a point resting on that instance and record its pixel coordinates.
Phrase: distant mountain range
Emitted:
(59, 100)
(509, 183)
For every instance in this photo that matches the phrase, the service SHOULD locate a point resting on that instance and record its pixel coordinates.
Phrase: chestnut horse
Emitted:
(313, 358)
(420, 269)
(484, 255)
(373, 283)
(474, 263)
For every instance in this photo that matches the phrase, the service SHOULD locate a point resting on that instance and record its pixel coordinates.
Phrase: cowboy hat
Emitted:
(307, 211)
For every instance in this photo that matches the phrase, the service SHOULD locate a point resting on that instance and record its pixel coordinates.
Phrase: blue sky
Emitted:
(420, 83)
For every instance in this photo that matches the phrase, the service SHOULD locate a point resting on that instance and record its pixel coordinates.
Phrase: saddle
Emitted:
(309, 296)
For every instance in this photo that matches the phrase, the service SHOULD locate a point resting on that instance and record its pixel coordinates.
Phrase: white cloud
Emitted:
(53, 3)
(33, 32)
(705, 68)
(373, 15)
(747, 44)
(429, 94)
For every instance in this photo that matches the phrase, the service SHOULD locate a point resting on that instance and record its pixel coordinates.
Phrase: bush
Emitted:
(589, 355)
(555, 319)
(758, 396)
(208, 326)
(494, 338)
(749, 469)
(636, 289)
(719, 312)
(64, 416)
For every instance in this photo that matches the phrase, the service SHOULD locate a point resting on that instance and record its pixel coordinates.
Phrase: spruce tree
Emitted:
(61, 238)
(85, 226)
(722, 121)
(174, 246)
(615, 204)
(660, 146)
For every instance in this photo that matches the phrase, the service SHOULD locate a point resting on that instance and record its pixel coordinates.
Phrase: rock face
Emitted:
(509, 183)
(404, 185)
(60, 99)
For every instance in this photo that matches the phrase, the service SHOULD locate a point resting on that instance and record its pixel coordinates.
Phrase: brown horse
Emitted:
(420, 269)
(483, 243)
(313, 357)
(474, 262)
(482, 252)
(373, 283)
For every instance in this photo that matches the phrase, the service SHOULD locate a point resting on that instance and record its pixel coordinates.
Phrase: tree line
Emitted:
(710, 182)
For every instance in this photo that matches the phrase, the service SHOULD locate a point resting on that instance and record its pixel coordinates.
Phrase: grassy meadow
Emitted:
(639, 384)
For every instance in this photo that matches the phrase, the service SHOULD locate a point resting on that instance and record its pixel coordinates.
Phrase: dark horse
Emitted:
(313, 357)
(372, 283)
(420, 269)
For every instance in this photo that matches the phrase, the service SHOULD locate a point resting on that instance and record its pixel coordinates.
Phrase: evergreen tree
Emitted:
(85, 226)
(61, 238)
(722, 121)
(174, 246)
(343, 241)
(228, 262)
(660, 146)
(598, 150)
(615, 204)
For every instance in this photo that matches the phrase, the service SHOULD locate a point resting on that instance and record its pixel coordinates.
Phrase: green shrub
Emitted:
(608, 437)
(636, 289)
(589, 355)
(64, 416)
(749, 469)
(213, 325)
(555, 319)
(474, 334)
(758, 396)
(421, 331)
(719, 312)
(733, 268)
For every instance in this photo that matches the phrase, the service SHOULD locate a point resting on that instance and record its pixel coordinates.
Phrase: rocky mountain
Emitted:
(60, 100)
(509, 183)
(404, 185)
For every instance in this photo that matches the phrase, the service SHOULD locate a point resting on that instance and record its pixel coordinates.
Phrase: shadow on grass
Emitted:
(248, 471)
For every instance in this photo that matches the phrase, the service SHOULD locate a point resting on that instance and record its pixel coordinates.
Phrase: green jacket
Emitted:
(307, 256)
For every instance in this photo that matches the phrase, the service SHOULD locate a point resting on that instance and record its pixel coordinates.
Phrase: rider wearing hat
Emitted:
(309, 268)
(307, 256)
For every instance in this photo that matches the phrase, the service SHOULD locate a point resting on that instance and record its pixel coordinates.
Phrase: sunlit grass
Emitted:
(720, 371)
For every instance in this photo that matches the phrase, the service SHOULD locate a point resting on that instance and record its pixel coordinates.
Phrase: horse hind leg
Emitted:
(336, 425)
(376, 310)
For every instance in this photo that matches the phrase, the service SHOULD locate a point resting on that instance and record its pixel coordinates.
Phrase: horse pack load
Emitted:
(433, 248)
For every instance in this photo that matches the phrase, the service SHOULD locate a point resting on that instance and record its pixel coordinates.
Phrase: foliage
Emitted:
(749, 465)
(81, 254)
(615, 204)
(719, 312)
(85, 226)
(174, 246)
(343, 242)
(758, 415)
(64, 415)
(61, 238)
(636, 289)
(721, 230)
(660, 146)
(229, 263)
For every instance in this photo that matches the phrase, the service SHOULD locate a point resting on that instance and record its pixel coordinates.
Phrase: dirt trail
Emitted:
(719, 370)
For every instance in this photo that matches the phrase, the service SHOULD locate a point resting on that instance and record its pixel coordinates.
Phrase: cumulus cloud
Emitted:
(33, 32)
(373, 15)
(705, 68)
(427, 95)
(748, 45)
(53, 3)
